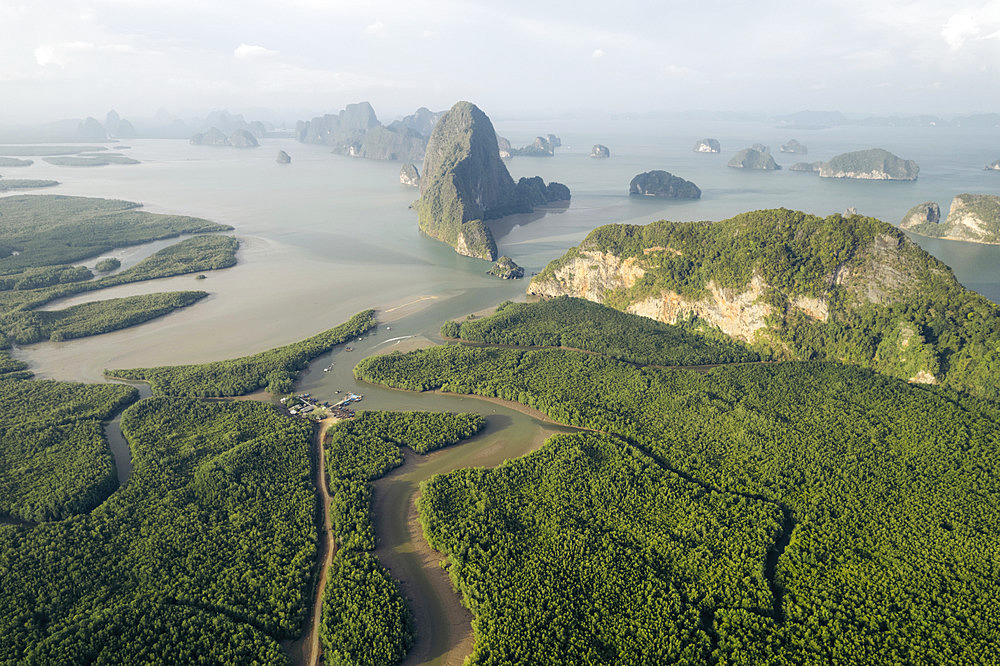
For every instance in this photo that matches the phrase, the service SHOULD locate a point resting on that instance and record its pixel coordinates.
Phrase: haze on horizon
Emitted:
(74, 58)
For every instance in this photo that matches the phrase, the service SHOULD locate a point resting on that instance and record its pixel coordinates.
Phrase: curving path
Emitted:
(306, 650)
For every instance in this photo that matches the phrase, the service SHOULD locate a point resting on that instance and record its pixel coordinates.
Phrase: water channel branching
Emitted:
(880, 493)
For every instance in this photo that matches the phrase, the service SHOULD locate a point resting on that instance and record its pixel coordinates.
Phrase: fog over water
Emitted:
(327, 236)
(74, 58)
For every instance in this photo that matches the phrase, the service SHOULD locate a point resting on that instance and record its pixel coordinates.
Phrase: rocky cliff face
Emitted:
(729, 277)
(213, 137)
(465, 184)
(873, 164)
(972, 217)
(243, 139)
(925, 213)
(357, 132)
(409, 176)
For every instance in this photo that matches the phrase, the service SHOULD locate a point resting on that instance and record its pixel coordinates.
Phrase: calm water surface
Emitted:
(327, 236)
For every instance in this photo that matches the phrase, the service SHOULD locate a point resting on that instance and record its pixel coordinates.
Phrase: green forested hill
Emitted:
(796, 286)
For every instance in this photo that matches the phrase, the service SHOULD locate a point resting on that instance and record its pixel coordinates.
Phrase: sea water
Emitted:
(327, 235)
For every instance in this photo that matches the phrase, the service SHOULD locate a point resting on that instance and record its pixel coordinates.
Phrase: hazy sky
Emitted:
(70, 58)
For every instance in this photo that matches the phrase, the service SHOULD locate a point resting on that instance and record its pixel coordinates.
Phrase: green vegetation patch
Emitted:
(93, 318)
(588, 551)
(107, 265)
(580, 324)
(51, 229)
(867, 280)
(209, 547)
(365, 618)
(7, 184)
(41, 150)
(54, 459)
(891, 492)
(48, 276)
(191, 255)
(89, 160)
(273, 370)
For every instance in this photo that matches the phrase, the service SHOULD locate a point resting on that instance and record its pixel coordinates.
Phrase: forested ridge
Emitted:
(874, 298)
(273, 370)
(891, 491)
(576, 323)
(365, 617)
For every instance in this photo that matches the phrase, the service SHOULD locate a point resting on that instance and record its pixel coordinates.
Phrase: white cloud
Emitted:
(376, 29)
(60, 54)
(598, 53)
(958, 29)
(246, 51)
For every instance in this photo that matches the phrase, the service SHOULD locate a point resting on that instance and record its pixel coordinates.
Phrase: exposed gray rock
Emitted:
(921, 214)
(409, 175)
(503, 145)
(465, 183)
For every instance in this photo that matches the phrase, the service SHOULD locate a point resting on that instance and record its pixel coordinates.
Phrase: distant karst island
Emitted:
(357, 132)
(506, 269)
(283, 158)
(755, 157)
(707, 146)
(542, 146)
(972, 217)
(215, 137)
(663, 184)
(794, 146)
(465, 184)
(600, 151)
(871, 164)
(812, 167)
